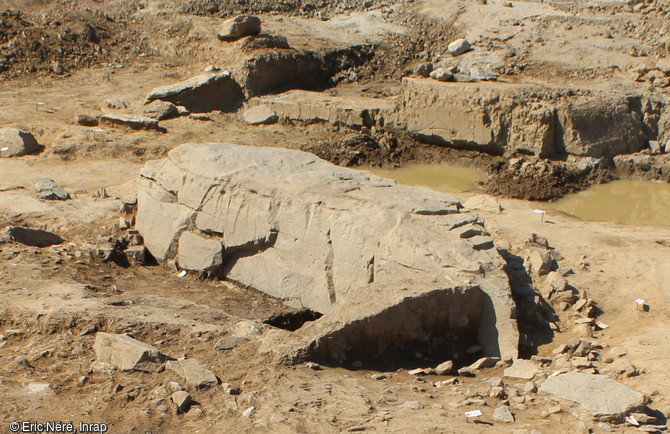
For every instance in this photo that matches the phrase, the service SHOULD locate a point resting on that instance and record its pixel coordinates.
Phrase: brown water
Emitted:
(637, 202)
(447, 179)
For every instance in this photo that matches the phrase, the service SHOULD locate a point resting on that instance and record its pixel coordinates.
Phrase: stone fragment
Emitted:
(229, 389)
(199, 253)
(445, 368)
(482, 73)
(182, 401)
(136, 255)
(116, 103)
(260, 115)
(502, 414)
(441, 74)
(458, 47)
(130, 121)
(623, 367)
(230, 342)
(618, 352)
(603, 397)
(30, 237)
(87, 120)
(127, 354)
(414, 405)
(194, 372)
(48, 189)
(523, 369)
(424, 69)
(161, 110)
(14, 143)
(482, 363)
(240, 26)
(203, 93)
(540, 262)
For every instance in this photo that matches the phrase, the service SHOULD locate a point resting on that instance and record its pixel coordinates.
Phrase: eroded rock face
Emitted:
(390, 265)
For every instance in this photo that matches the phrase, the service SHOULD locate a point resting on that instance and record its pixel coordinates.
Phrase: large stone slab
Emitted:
(194, 372)
(127, 354)
(14, 143)
(203, 93)
(603, 397)
(386, 262)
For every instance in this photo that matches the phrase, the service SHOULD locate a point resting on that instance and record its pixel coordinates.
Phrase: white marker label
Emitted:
(473, 413)
(602, 325)
(39, 103)
(555, 374)
(416, 371)
(639, 301)
(4, 149)
(98, 131)
(631, 420)
(182, 274)
(538, 211)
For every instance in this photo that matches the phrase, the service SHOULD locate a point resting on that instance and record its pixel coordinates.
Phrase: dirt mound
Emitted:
(308, 8)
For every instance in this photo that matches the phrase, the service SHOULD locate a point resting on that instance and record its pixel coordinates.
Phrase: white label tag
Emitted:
(631, 420)
(473, 413)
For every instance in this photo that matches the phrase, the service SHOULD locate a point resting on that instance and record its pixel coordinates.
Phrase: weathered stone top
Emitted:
(190, 84)
(325, 237)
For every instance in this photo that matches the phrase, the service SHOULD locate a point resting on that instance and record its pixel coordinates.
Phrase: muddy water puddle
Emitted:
(625, 201)
(636, 202)
(447, 179)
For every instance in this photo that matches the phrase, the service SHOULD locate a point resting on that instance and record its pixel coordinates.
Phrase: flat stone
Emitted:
(604, 398)
(523, 369)
(502, 414)
(194, 372)
(229, 343)
(482, 363)
(131, 121)
(618, 352)
(441, 74)
(87, 120)
(199, 253)
(15, 142)
(48, 189)
(260, 115)
(127, 354)
(161, 110)
(541, 263)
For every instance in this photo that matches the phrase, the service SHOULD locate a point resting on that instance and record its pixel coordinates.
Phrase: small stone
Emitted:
(554, 409)
(540, 262)
(581, 363)
(23, 362)
(502, 414)
(116, 104)
(618, 352)
(249, 411)
(379, 377)
(161, 110)
(441, 74)
(240, 26)
(414, 405)
(424, 69)
(131, 121)
(561, 349)
(229, 389)
(194, 372)
(82, 380)
(458, 47)
(523, 369)
(496, 382)
(87, 120)
(229, 343)
(175, 387)
(181, 400)
(313, 366)
(483, 363)
(529, 387)
(260, 115)
(623, 367)
(445, 368)
(48, 189)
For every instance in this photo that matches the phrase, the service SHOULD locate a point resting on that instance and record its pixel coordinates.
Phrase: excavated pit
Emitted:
(417, 332)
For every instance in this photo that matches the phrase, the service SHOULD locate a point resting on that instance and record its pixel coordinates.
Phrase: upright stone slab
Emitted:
(386, 263)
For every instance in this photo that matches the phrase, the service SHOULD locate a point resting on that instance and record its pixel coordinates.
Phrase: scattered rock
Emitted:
(424, 69)
(48, 189)
(523, 369)
(502, 414)
(87, 120)
(441, 74)
(161, 110)
(116, 104)
(182, 401)
(130, 121)
(481, 73)
(623, 367)
(603, 397)
(194, 372)
(126, 353)
(14, 143)
(458, 47)
(414, 405)
(618, 352)
(30, 237)
(445, 368)
(249, 411)
(240, 26)
(555, 409)
(23, 362)
(483, 363)
(541, 262)
(136, 255)
(229, 389)
(230, 342)
(260, 115)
